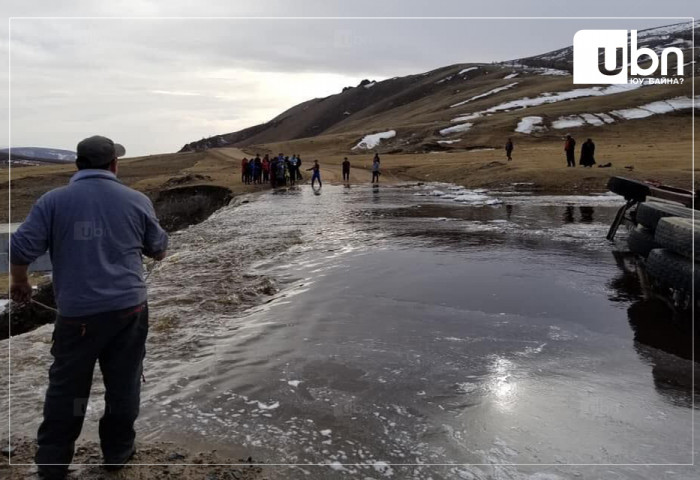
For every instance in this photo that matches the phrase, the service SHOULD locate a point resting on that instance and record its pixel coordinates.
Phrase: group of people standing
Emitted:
(587, 158)
(587, 152)
(376, 163)
(280, 170)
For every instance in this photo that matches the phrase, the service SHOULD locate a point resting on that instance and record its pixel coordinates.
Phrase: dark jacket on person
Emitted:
(587, 153)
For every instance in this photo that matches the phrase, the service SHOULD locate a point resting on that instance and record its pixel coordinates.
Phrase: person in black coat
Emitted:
(587, 153)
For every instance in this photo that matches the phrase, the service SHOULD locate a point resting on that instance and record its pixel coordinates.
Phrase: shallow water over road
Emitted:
(370, 328)
(427, 324)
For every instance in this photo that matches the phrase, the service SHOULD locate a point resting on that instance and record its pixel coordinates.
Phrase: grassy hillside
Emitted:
(488, 102)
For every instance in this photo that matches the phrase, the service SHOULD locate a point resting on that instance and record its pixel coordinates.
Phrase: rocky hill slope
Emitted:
(467, 106)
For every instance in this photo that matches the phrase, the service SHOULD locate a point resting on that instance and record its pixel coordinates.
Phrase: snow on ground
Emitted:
(665, 30)
(511, 75)
(463, 127)
(450, 141)
(654, 108)
(486, 94)
(462, 72)
(555, 97)
(370, 85)
(529, 125)
(552, 71)
(372, 140)
(550, 97)
(446, 79)
(568, 122)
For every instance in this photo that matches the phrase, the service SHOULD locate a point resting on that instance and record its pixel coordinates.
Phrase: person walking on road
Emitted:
(569, 149)
(316, 174)
(509, 149)
(375, 170)
(346, 170)
(96, 230)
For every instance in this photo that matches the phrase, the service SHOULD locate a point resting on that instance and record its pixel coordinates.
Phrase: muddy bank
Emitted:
(176, 208)
(180, 207)
(27, 317)
(152, 461)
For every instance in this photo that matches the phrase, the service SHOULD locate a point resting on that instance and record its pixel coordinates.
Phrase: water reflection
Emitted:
(663, 335)
(501, 383)
(568, 216)
(586, 214)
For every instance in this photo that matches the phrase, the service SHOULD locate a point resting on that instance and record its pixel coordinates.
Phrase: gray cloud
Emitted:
(75, 77)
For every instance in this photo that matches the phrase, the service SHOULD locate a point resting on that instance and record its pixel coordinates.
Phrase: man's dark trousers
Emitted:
(117, 340)
(570, 159)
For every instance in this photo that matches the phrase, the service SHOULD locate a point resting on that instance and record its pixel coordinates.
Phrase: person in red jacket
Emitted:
(569, 146)
(266, 169)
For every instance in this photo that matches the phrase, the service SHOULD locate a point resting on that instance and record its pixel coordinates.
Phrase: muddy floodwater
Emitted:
(379, 329)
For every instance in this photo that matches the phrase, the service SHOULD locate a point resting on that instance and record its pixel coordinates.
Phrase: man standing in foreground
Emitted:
(96, 230)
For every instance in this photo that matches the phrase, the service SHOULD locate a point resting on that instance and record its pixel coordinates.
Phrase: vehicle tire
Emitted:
(630, 189)
(672, 270)
(649, 213)
(677, 234)
(641, 241)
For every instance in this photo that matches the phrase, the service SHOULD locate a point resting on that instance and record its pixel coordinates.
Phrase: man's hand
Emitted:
(20, 288)
(21, 292)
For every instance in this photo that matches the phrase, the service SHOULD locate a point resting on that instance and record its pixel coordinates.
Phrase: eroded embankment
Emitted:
(177, 208)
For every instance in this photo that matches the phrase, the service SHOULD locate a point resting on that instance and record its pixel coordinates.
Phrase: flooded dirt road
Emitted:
(379, 329)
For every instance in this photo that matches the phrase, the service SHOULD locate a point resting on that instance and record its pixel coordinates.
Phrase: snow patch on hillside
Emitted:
(529, 125)
(370, 85)
(511, 75)
(550, 97)
(655, 108)
(659, 107)
(569, 121)
(464, 127)
(486, 94)
(553, 71)
(372, 140)
(462, 72)
(450, 141)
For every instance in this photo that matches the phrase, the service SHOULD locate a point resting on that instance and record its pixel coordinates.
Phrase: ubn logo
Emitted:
(590, 45)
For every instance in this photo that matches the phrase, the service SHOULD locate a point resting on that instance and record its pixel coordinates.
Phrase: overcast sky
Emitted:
(156, 84)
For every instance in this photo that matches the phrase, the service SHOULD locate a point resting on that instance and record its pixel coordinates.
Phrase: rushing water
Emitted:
(370, 327)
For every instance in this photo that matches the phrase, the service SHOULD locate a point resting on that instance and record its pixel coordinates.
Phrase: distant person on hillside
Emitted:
(587, 153)
(266, 169)
(244, 170)
(316, 175)
(509, 149)
(346, 170)
(299, 176)
(375, 170)
(569, 149)
(97, 230)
